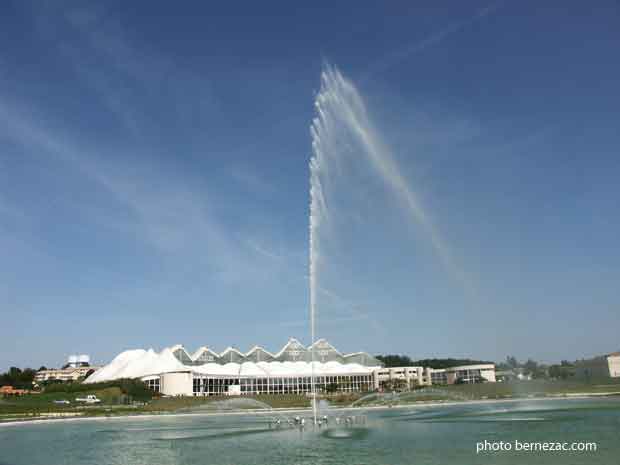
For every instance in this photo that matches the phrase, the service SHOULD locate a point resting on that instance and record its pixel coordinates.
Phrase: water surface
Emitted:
(416, 435)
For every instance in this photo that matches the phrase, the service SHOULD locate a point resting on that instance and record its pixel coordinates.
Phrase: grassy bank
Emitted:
(116, 401)
(533, 388)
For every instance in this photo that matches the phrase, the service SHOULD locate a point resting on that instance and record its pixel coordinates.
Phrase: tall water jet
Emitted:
(342, 128)
(317, 208)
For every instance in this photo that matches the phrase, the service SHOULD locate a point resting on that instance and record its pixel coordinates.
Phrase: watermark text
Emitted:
(537, 446)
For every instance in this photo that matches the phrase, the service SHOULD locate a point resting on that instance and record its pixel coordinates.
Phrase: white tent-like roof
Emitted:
(141, 364)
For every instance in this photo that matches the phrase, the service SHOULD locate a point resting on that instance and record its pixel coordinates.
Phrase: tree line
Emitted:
(18, 378)
(23, 378)
(392, 360)
(135, 388)
(536, 370)
(531, 368)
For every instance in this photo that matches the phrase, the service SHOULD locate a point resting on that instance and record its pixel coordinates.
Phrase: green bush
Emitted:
(133, 388)
(18, 378)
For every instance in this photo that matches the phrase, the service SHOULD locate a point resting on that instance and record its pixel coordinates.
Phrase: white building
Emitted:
(426, 376)
(173, 371)
(76, 368)
(470, 373)
(62, 374)
(413, 376)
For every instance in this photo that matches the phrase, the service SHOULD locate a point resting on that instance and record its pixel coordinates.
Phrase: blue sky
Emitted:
(154, 177)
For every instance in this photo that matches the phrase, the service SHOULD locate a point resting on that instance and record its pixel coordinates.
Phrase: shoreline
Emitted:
(423, 404)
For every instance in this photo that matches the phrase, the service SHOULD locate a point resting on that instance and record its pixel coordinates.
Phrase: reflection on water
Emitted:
(212, 435)
(346, 433)
(418, 434)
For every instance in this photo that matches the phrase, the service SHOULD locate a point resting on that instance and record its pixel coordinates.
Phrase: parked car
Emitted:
(89, 399)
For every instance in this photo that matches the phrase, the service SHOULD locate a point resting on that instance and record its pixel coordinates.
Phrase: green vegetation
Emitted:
(482, 391)
(134, 389)
(171, 404)
(44, 402)
(114, 403)
(394, 385)
(404, 361)
(394, 360)
(534, 388)
(530, 368)
(119, 397)
(564, 370)
(438, 363)
(18, 378)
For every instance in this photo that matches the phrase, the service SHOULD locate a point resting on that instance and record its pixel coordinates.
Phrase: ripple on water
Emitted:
(345, 433)
(225, 434)
(514, 419)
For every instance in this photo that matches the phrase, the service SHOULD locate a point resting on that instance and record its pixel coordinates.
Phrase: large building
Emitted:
(174, 371)
(426, 376)
(604, 366)
(76, 368)
(62, 375)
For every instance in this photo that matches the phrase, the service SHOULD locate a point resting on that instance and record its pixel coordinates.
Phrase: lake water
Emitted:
(445, 434)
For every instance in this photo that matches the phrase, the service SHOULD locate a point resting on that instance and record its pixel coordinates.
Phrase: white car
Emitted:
(89, 399)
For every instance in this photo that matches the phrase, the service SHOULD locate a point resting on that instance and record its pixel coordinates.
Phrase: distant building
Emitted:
(410, 376)
(471, 373)
(76, 368)
(604, 366)
(426, 376)
(62, 375)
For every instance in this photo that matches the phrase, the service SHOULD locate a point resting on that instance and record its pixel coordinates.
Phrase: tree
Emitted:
(18, 378)
(562, 371)
(394, 385)
(394, 360)
(438, 363)
(532, 368)
(390, 361)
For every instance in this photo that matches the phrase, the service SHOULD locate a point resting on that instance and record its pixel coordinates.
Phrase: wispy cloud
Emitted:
(397, 56)
(333, 309)
(262, 250)
(131, 81)
(165, 213)
(251, 180)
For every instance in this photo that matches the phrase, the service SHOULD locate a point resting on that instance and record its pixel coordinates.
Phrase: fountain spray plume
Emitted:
(340, 108)
(317, 210)
(341, 122)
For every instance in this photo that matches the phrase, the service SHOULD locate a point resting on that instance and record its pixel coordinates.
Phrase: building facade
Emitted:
(414, 376)
(76, 368)
(176, 372)
(291, 370)
(63, 375)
